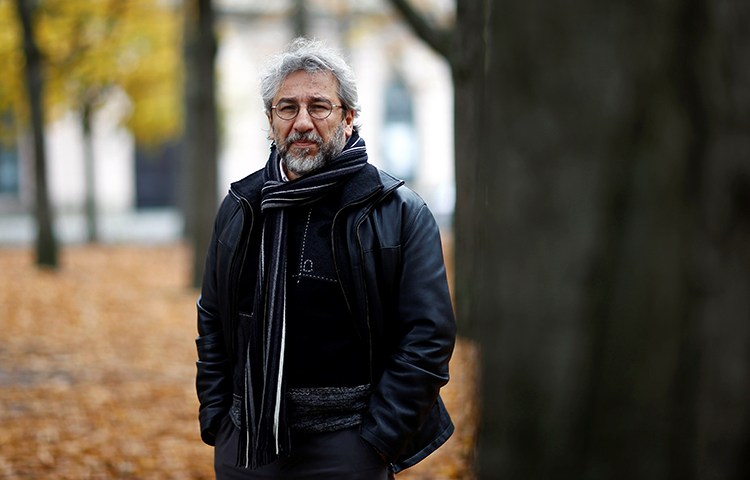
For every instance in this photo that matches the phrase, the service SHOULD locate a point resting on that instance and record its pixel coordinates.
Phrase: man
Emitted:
(325, 324)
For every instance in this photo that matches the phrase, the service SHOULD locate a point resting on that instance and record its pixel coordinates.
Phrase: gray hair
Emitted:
(311, 56)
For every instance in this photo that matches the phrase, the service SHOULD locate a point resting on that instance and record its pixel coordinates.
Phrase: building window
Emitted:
(9, 168)
(399, 132)
(8, 171)
(157, 175)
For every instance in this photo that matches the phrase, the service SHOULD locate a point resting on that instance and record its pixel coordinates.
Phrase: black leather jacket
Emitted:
(388, 256)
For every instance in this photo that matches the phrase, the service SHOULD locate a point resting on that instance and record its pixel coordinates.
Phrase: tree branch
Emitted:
(438, 39)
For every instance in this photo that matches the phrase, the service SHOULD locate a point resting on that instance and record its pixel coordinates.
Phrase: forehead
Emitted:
(304, 85)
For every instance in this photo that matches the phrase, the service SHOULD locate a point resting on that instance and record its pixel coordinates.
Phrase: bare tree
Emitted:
(201, 136)
(46, 244)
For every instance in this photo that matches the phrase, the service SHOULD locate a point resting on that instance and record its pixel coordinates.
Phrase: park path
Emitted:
(97, 369)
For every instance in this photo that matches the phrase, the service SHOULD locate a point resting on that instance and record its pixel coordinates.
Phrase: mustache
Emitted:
(307, 137)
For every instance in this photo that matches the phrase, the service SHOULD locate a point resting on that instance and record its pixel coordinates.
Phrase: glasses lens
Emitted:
(320, 110)
(287, 110)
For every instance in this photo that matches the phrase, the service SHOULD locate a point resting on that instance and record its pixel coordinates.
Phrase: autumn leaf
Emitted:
(97, 371)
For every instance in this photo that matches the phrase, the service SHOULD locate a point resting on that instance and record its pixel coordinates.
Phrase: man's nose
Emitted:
(303, 122)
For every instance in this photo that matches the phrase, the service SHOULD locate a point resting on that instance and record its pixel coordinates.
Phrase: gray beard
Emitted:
(304, 163)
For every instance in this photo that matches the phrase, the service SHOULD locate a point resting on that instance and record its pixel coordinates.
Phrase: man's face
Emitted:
(306, 143)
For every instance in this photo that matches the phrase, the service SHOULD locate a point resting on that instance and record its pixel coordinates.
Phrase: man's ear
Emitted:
(349, 123)
(270, 125)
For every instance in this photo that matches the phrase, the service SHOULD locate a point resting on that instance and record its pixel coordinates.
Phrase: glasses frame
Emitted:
(307, 107)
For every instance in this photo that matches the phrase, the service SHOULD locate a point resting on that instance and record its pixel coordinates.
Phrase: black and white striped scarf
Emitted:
(264, 431)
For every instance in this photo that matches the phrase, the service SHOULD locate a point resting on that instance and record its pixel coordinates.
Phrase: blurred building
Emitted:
(407, 121)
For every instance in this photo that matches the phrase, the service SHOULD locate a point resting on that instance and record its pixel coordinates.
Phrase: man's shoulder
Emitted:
(399, 191)
(250, 183)
(249, 187)
(388, 180)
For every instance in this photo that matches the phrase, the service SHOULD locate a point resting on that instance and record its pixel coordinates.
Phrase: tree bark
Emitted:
(201, 130)
(46, 244)
(604, 298)
(603, 235)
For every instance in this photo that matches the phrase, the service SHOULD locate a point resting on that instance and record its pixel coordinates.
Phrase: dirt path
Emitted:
(97, 370)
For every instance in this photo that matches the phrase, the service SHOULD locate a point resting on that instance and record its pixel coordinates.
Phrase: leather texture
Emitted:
(388, 254)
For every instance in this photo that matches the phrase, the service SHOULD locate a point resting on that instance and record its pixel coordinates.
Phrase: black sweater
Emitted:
(323, 348)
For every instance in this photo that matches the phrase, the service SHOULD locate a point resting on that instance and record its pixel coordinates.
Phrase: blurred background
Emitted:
(114, 109)
(588, 162)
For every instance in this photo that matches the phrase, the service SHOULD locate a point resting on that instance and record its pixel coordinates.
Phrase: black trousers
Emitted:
(336, 455)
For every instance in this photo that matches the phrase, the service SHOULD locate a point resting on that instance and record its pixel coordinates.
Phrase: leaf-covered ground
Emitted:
(97, 368)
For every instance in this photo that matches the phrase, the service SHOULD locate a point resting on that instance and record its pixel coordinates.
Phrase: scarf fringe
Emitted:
(263, 451)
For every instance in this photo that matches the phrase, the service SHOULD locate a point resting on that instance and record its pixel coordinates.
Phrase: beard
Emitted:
(301, 163)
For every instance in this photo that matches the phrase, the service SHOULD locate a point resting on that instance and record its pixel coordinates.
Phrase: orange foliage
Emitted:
(97, 370)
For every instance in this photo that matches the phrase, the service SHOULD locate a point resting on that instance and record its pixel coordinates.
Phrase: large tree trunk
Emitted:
(201, 137)
(603, 234)
(46, 244)
(613, 224)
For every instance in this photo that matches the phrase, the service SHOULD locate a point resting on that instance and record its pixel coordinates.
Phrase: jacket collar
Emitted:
(249, 187)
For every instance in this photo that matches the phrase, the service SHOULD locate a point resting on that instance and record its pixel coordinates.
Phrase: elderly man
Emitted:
(325, 323)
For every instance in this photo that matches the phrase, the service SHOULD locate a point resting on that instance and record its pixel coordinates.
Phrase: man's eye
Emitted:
(319, 108)
(287, 109)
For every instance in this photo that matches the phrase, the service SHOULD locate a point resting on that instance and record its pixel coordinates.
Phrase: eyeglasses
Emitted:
(319, 109)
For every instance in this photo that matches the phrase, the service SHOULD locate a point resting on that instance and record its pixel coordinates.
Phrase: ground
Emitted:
(97, 370)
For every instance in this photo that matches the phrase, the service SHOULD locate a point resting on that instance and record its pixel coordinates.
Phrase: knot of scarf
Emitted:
(264, 430)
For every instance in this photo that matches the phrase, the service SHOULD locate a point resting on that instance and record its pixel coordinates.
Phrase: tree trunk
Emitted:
(466, 57)
(201, 137)
(300, 18)
(92, 226)
(614, 219)
(602, 232)
(46, 244)
(464, 51)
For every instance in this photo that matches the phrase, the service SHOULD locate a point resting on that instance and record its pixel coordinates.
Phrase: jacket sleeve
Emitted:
(213, 377)
(417, 368)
